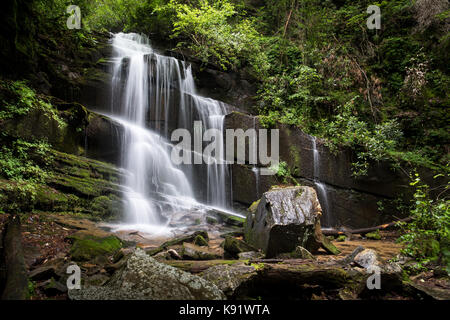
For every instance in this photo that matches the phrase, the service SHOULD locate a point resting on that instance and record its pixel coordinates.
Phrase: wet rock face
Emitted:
(103, 139)
(285, 218)
(235, 88)
(143, 278)
(352, 201)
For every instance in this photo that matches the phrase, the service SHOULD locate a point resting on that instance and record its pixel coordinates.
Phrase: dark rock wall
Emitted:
(349, 201)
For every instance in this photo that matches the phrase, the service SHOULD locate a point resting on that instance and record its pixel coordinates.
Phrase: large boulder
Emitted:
(285, 218)
(144, 278)
(229, 278)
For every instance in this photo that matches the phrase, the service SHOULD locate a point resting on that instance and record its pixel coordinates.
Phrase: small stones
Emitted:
(349, 259)
(52, 287)
(42, 273)
(173, 254)
(190, 251)
(249, 255)
(233, 246)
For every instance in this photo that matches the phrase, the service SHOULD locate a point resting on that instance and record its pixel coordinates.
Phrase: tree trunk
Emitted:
(16, 281)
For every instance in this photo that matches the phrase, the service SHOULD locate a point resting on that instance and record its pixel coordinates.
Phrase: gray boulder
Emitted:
(229, 278)
(144, 278)
(285, 218)
(367, 259)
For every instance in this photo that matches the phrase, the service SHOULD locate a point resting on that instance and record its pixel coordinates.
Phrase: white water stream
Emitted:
(320, 187)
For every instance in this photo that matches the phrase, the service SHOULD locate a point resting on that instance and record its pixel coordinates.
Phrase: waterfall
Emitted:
(255, 168)
(153, 94)
(320, 187)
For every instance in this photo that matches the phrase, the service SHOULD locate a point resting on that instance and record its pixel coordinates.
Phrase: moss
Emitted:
(199, 265)
(257, 266)
(254, 206)
(295, 155)
(233, 220)
(211, 220)
(200, 241)
(31, 289)
(374, 235)
(341, 238)
(234, 246)
(329, 246)
(101, 206)
(193, 252)
(88, 247)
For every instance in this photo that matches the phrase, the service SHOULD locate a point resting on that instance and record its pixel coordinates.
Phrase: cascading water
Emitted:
(155, 91)
(320, 187)
(255, 168)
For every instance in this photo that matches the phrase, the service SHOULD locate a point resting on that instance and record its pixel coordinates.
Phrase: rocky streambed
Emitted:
(224, 262)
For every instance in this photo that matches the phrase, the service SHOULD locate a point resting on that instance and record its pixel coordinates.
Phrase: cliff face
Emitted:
(353, 202)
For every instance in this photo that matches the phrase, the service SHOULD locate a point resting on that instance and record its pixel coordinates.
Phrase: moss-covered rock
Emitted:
(298, 253)
(233, 246)
(200, 241)
(179, 241)
(88, 247)
(144, 278)
(191, 251)
(374, 235)
(329, 247)
(254, 206)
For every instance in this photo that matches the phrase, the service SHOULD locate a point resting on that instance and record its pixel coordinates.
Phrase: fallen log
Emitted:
(16, 282)
(196, 266)
(334, 232)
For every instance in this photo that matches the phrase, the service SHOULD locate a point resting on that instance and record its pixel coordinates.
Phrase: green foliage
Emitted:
(31, 289)
(112, 14)
(374, 235)
(282, 171)
(18, 99)
(24, 163)
(370, 143)
(291, 97)
(308, 57)
(214, 31)
(21, 160)
(427, 237)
